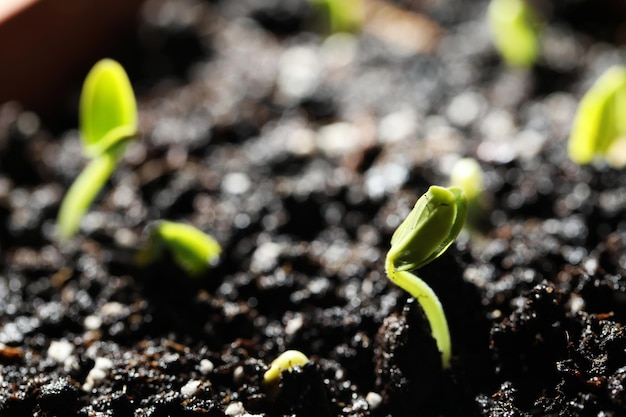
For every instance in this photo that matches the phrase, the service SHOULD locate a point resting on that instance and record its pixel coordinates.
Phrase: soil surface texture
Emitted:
(301, 152)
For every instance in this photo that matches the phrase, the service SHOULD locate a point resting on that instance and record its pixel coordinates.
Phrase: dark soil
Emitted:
(303, 187)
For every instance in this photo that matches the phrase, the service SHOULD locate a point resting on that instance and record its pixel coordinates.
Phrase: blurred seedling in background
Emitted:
(193, 250)
(107, 122)
(341, 15)
(515, 28)
(285, 362)
(599, 127)
(428, 230)
(467, 174)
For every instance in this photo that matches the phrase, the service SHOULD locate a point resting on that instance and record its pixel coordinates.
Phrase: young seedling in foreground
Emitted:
(108, 119)
(428, 230)
(287, 361)
(191, 249)
(599, 121)
(515, 30)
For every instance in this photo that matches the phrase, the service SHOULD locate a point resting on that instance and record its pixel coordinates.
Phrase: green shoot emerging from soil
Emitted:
(342, 15)
(429, 229)
(599, 124)
(286, 361)
(108, 119)
(193, 250)
(515, 30)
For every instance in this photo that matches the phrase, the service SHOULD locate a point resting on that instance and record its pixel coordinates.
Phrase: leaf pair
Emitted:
(193, 250)
(108, 119)
(599, 120)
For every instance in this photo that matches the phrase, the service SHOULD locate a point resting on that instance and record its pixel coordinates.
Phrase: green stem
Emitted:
(82, 193)
(430, 304)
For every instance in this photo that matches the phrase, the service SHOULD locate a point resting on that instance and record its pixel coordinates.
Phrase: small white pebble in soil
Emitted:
(206, 366)
(293, 325)
(498, 125)
(338, 139)
(92, 322)
(235, 183)
(299, 71)
(397, 126)
(265, 257)
(529, 143)
(373, 400)
(339, 50)
(238, 374)
(388, 178)
(113, 309)
(465, 108)
(125, 238)
(301, 142)
(576, 303)
(60, 350)
(97, 373)
(190, 388)
(235, 409)
(27, 123)
(71, 364)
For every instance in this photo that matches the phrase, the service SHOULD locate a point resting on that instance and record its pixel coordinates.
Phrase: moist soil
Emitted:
(301, 153)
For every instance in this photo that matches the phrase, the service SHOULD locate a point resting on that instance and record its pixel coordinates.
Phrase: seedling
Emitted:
(428, 230)
(515, 29)
(193, 250)
(287, 361)
(108, 119)
(599, 121)
(343, 15)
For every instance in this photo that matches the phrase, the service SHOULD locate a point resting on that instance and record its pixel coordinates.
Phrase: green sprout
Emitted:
(428, 230)
(343, 15)
(108, 109)
(108, 119)
(285, 362)
(192, 250)
(599, 123)
(515, 29)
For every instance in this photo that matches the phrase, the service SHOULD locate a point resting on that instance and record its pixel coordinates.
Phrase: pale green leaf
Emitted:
(343, 15)
(429, 229)
(108, 109)
(598, 121)
(193, 250)
(515, 31)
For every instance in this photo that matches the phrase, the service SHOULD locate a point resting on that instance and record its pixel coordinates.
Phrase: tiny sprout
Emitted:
(428, 230)
(515, 30)
(108, 118)
(598, 123)
(108, 109)
(287, 361)
(193, 250)
(343, 15)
